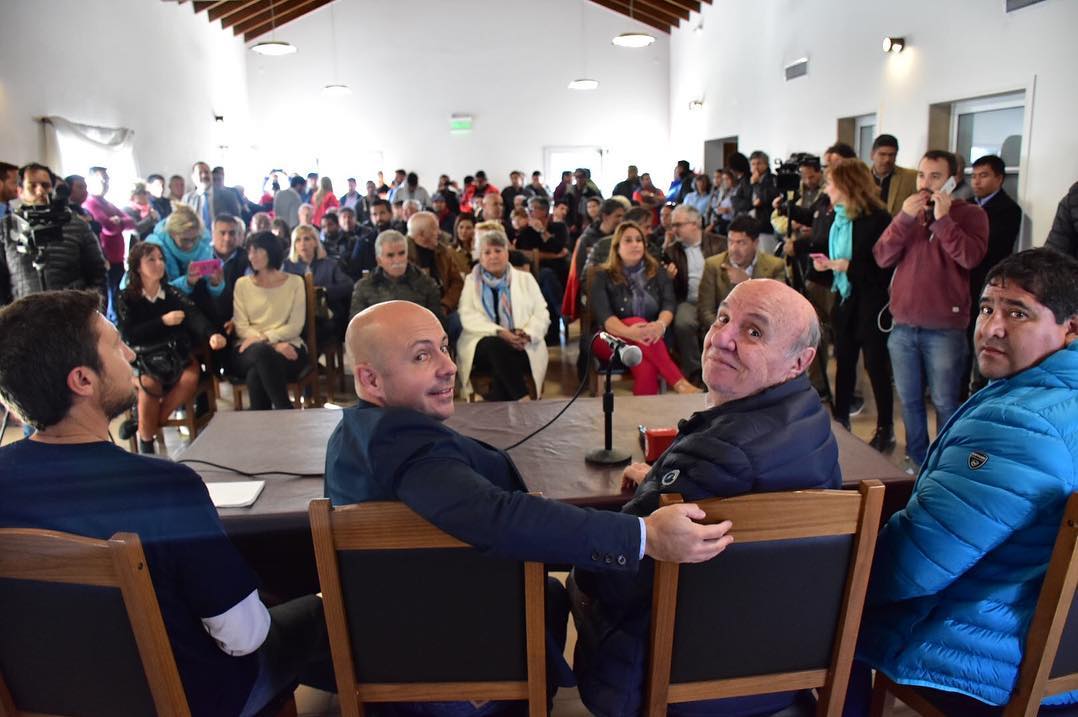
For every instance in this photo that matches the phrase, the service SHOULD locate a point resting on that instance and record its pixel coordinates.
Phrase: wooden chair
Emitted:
(83, 633)
(308, 376)
(777, 611)
(439, 622)
(1049, 664)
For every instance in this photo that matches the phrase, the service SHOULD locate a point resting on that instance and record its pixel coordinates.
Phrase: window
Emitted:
(990, 125)
(72, 148)
(566, 159)
(865, 126)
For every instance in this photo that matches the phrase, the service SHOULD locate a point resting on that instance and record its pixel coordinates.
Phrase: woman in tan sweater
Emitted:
(269, 311)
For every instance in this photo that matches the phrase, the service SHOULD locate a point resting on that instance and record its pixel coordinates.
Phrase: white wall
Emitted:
(955, 50)
(505, 63)
(151, 66)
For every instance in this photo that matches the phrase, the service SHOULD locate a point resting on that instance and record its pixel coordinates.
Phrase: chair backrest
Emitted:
(778, 610)
(416, 615)
(1050, 661)
(82, 633)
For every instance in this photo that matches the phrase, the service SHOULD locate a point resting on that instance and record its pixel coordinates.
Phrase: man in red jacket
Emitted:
(933, 243)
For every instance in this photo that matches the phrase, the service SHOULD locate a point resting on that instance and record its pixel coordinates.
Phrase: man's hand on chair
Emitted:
(674, 537)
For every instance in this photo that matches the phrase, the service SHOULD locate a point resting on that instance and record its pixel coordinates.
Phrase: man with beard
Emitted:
(67, 372)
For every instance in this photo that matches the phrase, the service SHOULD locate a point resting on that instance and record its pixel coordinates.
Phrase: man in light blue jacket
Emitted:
(958, 571)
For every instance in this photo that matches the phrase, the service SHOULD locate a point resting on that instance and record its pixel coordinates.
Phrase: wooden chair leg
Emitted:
(883, 700)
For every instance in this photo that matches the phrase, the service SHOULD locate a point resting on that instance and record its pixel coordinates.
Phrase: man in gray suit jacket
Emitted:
(209, 199)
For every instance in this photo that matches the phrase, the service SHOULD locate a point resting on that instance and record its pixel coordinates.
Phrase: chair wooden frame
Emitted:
(51, 556)
(394, 526)
(1042, 641)
(309, 379)
(766, 517)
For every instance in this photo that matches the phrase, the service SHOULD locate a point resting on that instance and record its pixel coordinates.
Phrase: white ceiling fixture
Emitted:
(273, 47)
(633, 39)
(335, 88)
(584, 83)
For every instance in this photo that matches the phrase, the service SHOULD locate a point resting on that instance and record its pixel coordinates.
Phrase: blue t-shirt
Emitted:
(96, 490)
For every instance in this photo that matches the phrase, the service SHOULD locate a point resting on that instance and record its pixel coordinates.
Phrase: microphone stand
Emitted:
(608, 455)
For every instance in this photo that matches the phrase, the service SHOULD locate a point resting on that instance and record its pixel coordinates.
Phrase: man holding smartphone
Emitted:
(933, 243)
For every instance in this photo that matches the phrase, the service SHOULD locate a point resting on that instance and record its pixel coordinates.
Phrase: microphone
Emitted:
(628, 354)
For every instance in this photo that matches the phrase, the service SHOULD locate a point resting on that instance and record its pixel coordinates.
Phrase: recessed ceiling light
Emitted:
(633, 39)
(273, 48)
(584, 84)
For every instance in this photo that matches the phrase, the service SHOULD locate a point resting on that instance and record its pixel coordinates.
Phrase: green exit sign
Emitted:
(460, 124)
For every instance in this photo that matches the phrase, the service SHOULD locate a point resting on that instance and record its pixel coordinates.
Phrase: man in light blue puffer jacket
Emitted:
(958, 571)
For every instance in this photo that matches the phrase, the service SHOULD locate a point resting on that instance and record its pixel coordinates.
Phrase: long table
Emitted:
(274, 533)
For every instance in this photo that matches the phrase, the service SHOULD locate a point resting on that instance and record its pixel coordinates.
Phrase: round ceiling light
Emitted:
(584, 84)
(273, 48)
(633, 39)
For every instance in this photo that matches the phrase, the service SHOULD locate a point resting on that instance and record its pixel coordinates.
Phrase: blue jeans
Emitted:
(937, 355)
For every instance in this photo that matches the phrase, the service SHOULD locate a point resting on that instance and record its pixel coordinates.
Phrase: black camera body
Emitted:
(35, 226)
(787, 174)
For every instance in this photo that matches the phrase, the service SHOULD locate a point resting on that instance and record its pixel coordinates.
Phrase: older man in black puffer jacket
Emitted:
(764, 430)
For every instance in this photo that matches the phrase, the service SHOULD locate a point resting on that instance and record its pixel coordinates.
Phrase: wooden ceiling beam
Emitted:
(255, 14)
(624, 7)
(690, 5)
(201, 5)
(229, 10)
(298, 9)
(660, 6)
(660, 25)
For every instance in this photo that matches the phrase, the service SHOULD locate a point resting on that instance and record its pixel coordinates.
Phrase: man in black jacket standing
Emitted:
(45, 246)
(1064, 235)
(1004, 223)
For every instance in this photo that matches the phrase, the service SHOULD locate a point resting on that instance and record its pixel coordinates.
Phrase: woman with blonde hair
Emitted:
(323, 200)
(632, 298)
(308, 256)
(504, 319)
(860, 286)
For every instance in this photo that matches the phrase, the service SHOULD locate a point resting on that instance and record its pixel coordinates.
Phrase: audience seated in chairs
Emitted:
(632, 298)
(183, 241)
(505, 320)
(463, 242)
(269, 314)
(308, 256)
(161, 324)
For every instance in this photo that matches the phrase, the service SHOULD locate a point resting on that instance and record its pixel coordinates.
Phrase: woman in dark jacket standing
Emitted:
(861, 293)
(152, 312)
(632, 298)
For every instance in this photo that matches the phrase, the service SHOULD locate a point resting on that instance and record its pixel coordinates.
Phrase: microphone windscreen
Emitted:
(631, 356)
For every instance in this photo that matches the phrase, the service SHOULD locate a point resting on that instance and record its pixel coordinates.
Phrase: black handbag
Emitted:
(163, 361)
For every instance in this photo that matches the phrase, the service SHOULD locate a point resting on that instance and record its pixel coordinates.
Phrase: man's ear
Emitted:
(81, 381)
(368, 381)
(1072, 330)
(801, 361)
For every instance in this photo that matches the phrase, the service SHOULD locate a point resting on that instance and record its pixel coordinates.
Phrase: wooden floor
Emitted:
(561, 381)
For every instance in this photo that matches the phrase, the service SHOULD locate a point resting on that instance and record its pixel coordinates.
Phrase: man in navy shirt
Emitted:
(65, 370)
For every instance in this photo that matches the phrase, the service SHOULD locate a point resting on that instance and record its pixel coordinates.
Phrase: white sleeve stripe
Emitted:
(242, 628)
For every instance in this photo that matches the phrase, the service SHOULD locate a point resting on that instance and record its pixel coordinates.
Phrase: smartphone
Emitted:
(948, 186)
(206, 267)
(817, 255)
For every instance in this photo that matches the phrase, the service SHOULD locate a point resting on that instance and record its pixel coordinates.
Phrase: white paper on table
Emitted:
(235, 494)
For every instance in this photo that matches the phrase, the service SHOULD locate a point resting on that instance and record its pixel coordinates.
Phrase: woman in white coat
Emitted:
(505, 319)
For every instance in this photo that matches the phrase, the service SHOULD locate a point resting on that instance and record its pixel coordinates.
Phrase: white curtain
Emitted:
(72, 148)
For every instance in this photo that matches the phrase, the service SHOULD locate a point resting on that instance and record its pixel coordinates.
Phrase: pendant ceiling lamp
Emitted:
(633, 39)
(273, 47)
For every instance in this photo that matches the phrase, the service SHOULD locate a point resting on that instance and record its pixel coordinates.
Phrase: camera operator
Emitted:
(46, 247)
(812, 226)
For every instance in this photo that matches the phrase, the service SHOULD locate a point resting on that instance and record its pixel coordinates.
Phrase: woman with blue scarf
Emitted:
(861, 288)
(504, 319)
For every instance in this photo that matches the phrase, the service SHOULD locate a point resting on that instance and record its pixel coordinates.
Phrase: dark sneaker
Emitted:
(884, 440)
(857, 404)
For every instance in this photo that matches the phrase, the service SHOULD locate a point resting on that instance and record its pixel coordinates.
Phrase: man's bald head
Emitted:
(765, 334)
(400, 356)
(423, 229)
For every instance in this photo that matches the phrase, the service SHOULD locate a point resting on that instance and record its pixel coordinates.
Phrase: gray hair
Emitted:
(689, 211)
(490, 233)
(389, 236)
(810, 337)
(412, 204)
